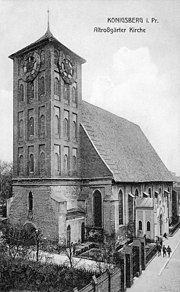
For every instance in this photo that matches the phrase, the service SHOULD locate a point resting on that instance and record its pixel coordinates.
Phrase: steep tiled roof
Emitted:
(47, 37)
(123, 147)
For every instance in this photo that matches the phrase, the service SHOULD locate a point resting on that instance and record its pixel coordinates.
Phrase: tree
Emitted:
(5, 181)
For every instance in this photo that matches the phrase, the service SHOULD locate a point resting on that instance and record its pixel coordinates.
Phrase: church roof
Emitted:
(123, 147)
(47, 37)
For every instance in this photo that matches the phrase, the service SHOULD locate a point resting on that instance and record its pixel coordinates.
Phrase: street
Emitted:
(162, 274)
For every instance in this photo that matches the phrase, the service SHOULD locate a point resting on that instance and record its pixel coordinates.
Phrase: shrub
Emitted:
(16, 273)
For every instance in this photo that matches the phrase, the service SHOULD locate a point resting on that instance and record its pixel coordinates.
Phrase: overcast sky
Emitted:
(132, 74)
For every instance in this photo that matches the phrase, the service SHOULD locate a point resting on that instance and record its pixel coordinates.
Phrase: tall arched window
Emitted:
(30, 201)
(21, 127)
(66, 128)
(121, 202)
(159, 190)
(31, 163)
(74, 160)
(66, 93)
(56, 86)
(56, 124)
(21, 92)
(136, 193)
(148, 226)
(140, 225)
(97, 206)
(42, 162)
(41, 87)
(31, 126)
(57, 164)
(65, 164)
(42, 125)
(21, 164)
(74, 130)
(68, 235)
(149, 192)
(74, 95)
(30, 91)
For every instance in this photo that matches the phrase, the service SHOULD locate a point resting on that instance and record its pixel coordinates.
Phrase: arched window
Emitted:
(57, 164)
(65, 164)
(56, 86)
(21, 92)
(148, 226)
(42, 162)
(31, 163)
(66, 129)
(55, 58)
(21, 126)
(74, 130)
(41, 87)
(97, 206)
(159, 190)
(42, 125)
(42, 57)
(30, 201)
(56, 124)
(21, 164)
(136, 193)
(74, 95)
(68, 235)
(121, 207)
(30, 91)
(66, 93)
(31, 126)
(149, 192)
(140, 225)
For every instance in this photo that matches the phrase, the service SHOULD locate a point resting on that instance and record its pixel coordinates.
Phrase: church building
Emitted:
(79, 172)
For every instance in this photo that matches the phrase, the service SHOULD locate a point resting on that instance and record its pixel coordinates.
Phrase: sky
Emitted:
(134, 74)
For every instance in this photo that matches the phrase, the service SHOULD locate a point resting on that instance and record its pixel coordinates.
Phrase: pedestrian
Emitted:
(165, 235)
(164, 251)
(161, 241)
(159, 249)
(169, 250)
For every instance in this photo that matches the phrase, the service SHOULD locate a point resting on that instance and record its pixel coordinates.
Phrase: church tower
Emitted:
(46, 119)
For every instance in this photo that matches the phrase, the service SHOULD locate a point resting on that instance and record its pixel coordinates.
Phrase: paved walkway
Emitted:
(160, 270)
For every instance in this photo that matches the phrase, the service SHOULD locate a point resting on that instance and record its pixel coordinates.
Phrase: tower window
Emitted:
(30, 91)
(74, 160)
(30, 201)
(57, 88)
(66, 93)
(31, 126)
(42, 125)
(31, 163)
(42, 162)
(136, 193)
(74, 132)
(42, 57)
(21, 92)
(21, 127)
(57, 164)
(21, 164)
(121, 202)
(66, 160)
(66, 124)
(74, 95)
(56, 58)
(56, 124)
(41, 86)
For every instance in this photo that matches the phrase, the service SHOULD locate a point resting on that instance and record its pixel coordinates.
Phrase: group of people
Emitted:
(162, 247)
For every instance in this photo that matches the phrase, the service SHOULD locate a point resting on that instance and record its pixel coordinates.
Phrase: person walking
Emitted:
(159, 249)
(169, 250)
(164, 251)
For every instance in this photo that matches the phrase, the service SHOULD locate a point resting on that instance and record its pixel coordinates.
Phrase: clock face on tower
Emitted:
(30, 66)
(66, 69)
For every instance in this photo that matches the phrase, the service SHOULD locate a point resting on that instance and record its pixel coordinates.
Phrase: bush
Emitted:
(34, 276)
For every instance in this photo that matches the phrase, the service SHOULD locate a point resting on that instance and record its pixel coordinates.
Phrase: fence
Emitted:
(107, 282)
(151, 253)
